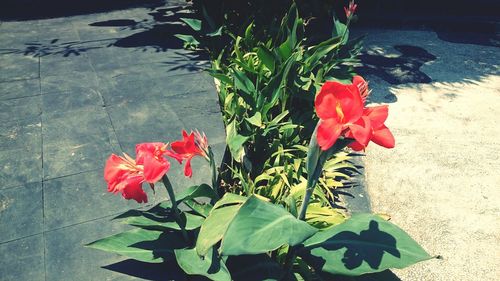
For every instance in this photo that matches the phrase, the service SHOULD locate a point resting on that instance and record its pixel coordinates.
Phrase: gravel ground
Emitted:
(441, 181)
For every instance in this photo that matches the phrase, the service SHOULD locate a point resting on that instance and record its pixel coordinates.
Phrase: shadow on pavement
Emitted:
(33, 9)
(148, 271)
(398, 70)
(157, 34)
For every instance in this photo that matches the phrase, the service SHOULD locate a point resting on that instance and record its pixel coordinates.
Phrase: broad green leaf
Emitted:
(195, 24)
(235, 141)
(321, 51)
(189, 39)
(260, 226)
(284, 50)
(255, 120)
(340, 30)
(365, 243)
(160, 217)
(217, 32)
(222, 77)
(199, 208)
(230, 199)
(150, 221)
(213, 228)
(160, 210)
(202, 190)
(254, 268)
(266, 57)
(143, 245)
(243, 83)
(210, 266)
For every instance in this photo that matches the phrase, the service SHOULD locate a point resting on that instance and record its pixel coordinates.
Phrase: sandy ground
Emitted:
(441, 183)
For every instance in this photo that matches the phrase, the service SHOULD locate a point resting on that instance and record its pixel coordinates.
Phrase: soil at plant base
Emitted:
(441, 183)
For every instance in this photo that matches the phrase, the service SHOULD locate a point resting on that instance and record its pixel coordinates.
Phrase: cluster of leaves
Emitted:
(266, 92)
(236, 15)
(248, 238)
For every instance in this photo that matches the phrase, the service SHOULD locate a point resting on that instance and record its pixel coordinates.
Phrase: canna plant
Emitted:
(266, 92)
(220, 235)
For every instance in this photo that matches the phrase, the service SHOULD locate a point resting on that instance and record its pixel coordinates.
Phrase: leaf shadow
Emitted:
(355, 254)
(148, 271)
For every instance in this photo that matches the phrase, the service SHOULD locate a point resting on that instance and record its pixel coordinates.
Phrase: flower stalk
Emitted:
(175, 209)
(213, 167)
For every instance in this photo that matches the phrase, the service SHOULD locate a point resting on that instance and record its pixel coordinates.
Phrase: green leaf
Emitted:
(150, 221)
(254, 268)
(202, 190)
(339, 30)
(210, 266)
(235, 141)
(242, 82)
(217, 32)
(160, 217)
(323, 216)
(143, 245)
(255, 120)
(230, 199)
(213, 228)
(222, 77)
(195, 24)
(321, 50)
(284, 50)
(160, 210)
(266, 57)
(189, 39)
(200, 209)
(260, 226)
(365, 243)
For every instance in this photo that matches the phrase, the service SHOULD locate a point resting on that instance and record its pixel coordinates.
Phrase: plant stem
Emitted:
(215, 181)
(290, 256)
(305, 203)
(177, 214)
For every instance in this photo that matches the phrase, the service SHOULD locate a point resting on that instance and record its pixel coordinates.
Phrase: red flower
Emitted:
(191, 145)
(124, 175)
(150, 155)
(349, 11)
(380, 133)
(340, 109)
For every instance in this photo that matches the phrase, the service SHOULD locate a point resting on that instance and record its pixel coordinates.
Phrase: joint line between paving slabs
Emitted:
(43, 173)
(105, 106)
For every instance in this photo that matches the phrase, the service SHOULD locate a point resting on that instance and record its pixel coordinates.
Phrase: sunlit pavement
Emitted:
(441, 181)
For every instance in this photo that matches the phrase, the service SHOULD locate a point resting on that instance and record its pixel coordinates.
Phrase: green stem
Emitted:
(292, 251)
(305, 203)
(213, 167)
(314, 168)
(177, 214)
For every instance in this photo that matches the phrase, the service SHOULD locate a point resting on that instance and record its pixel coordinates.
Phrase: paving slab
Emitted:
(23, 259)
(18, 67)
(20, 89)
(21, 211)
(20, 108)
(20, 166)
(73, 90)
(68, 259)
(89, 200)
(76, 141)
